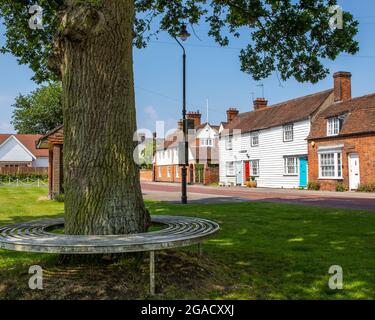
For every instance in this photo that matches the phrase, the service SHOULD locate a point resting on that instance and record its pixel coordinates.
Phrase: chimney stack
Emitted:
(231, 114)
(342, 86)
(260, 103)
(196, 116)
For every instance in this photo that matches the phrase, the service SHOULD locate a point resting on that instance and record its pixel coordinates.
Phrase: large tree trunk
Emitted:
(102, 188)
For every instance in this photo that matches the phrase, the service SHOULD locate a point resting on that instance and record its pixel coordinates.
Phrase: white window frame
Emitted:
(337, 165)
(228, 143)
(159, 172)
(168, 171)
(290, 132)
(254, 135)
(207, 142)
(177, 171)
(333, 126)
(252, 166)
(287, 166)
(230, 172)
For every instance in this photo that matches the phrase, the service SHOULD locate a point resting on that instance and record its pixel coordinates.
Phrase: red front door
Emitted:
(247, 170)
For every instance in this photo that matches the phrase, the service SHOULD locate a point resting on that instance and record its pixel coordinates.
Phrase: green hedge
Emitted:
(4, 177)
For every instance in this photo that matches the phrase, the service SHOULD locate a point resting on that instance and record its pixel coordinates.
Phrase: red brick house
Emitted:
(53, 142)
(341, 144)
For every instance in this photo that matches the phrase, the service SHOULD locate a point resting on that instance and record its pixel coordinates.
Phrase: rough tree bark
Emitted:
(102, 188)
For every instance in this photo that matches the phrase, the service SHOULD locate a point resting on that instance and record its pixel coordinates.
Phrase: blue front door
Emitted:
(303, 172)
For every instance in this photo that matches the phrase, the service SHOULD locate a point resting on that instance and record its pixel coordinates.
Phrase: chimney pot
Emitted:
(260, 103)
(196, 116)
(231, 114)
(342, 86)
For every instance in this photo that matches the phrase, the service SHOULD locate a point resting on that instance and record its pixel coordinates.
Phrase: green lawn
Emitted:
(263, 251)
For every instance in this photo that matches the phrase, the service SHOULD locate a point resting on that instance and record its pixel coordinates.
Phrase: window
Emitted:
(291, 165)
(254, 168)
(228, 143)
(159, 172)
(206, 142)
(288, 133)
(334, 126)
(177, 171)
(230, 169)
(168, 171)
(254, 136)
(330, 165)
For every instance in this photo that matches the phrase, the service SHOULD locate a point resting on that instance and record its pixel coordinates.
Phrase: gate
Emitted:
(199, 173)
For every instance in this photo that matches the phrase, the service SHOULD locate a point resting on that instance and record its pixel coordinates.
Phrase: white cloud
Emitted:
(151, 112)
(149, 117)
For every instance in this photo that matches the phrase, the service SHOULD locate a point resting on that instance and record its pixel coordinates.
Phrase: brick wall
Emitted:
(211, 175)
(146, 175)
(363, 145)
(164, 174)
(57, 176)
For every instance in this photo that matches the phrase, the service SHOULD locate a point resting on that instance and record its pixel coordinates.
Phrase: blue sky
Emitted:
(213, 73)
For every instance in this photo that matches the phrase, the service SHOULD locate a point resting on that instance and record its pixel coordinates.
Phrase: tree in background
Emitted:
(147, 153)
(40, 111)
(89, 45)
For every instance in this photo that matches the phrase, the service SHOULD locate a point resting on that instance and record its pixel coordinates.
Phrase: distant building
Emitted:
(203, 153)
(52, 143)
(19, 151)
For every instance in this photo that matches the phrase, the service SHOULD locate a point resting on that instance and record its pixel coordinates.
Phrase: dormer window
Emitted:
(334, 126)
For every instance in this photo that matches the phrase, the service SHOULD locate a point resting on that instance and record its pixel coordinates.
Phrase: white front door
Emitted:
(239, 173)
(354, 177)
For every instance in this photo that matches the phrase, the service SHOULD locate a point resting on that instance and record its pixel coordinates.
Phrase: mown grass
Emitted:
(263, 251)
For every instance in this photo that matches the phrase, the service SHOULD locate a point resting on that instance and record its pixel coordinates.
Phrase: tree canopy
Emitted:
(40, 111)
(291, 37)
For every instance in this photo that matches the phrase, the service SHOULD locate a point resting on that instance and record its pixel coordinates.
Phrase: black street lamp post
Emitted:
(184, 35)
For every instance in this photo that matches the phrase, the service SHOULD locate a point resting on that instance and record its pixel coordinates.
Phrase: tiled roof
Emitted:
(360, 117)
(203, 125)
(29, 141)
(55, 135)
(279, 114)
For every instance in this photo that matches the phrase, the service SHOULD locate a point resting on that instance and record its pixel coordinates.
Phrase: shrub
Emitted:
(315, 186)
(6, 177)
(340, 187)
(250, 183)
(367, 187)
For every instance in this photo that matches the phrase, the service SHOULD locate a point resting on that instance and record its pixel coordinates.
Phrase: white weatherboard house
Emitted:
(269, 144)
(19, 150)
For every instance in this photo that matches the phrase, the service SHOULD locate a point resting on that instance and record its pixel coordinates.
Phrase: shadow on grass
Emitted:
(285, 251)
(263, 251)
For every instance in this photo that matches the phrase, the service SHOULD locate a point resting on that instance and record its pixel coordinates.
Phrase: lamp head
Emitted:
(184, 34)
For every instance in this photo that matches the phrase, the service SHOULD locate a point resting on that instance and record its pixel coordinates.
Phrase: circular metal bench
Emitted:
(36, 236)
